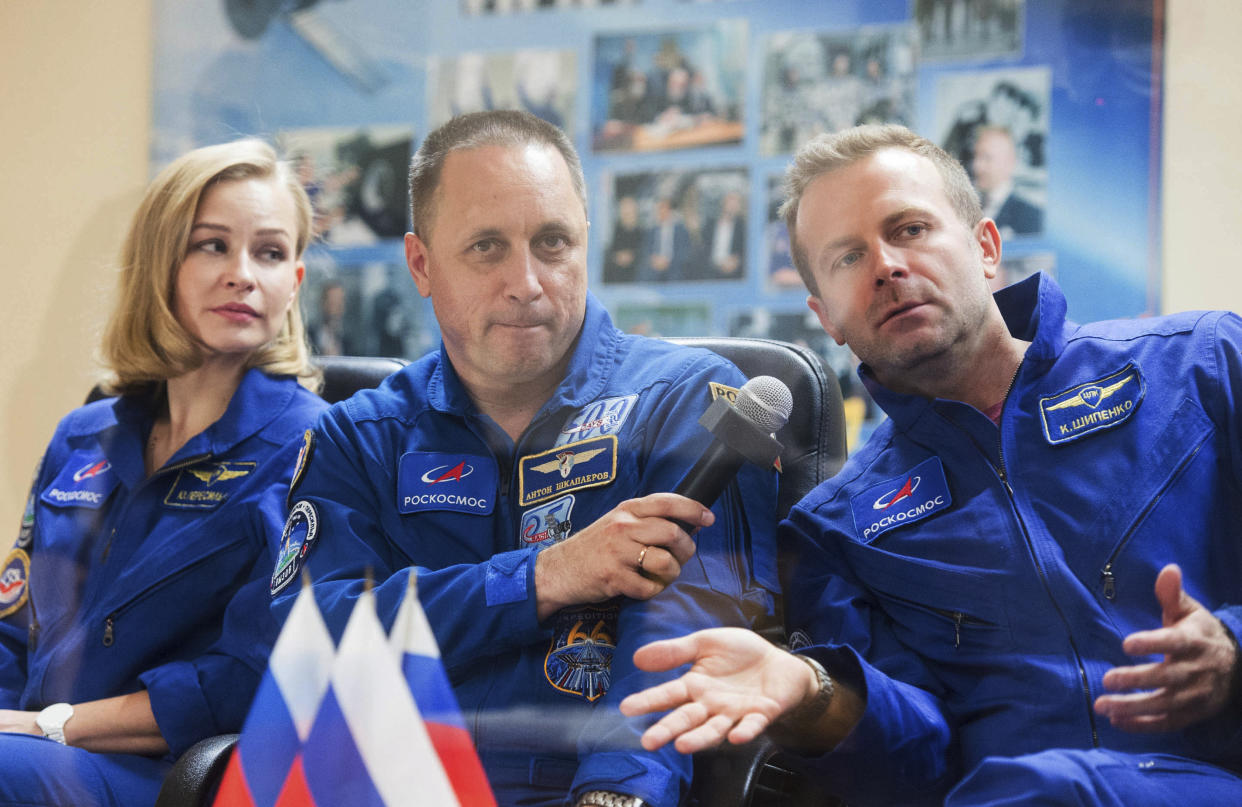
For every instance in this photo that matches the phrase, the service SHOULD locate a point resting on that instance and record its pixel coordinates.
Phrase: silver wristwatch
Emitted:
(606, 798)
(51, 721)
(810, 710)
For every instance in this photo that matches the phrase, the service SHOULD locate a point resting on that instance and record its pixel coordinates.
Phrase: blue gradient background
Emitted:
(1103, 145)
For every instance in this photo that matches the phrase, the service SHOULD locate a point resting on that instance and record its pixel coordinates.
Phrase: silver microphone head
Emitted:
(765, 401)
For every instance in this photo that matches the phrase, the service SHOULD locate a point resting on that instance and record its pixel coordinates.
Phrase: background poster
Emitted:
(699, 102)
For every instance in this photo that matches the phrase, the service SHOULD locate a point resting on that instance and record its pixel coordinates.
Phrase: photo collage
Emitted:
(685, 115)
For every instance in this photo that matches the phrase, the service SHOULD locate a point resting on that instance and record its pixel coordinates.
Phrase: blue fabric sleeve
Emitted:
(730, 581)
(211, 694)
(903, 750)
(15, 628)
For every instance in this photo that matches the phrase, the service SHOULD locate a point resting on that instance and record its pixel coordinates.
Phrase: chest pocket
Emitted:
(944, 612)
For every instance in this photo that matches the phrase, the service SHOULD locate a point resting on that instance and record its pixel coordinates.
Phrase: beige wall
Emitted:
(1202, 173)
(75, 79)
(75, 83)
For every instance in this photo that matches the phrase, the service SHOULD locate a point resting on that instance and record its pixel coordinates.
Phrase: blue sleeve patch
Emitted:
(433, 480)
(296, 542)
(505, 580)
(904, 499)
(1095, 405)
(86, 481)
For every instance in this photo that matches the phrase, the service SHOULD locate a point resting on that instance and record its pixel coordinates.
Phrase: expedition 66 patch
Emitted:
(1092, 406)
(579, 661)
(913, 496)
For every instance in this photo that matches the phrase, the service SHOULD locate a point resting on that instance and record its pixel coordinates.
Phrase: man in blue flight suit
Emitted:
(521, 472)
(974, 589)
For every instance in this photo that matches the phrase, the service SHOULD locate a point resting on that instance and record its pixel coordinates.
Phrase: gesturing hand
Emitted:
(1192, 682)
(603, 560)
(739, 683)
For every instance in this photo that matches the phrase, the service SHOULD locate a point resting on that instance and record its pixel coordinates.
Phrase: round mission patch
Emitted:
(301, 529)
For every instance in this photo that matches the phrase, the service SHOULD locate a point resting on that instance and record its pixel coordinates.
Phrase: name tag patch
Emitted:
(13, 582)
(719, 390)
(433, 480)
(86, 481)
(301, 530)
(207, 485)
(901, 500)
(548, 522)
(596, 419)
(1089, 407)
(584, 464)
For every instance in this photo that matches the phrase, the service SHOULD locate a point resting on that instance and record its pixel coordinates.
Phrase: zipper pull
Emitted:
(108, 546)
(957, 629)
(1110, 582)
(107, 636)
(32, 638)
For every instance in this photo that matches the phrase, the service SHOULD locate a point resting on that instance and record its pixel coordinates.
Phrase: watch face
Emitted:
(55, 715)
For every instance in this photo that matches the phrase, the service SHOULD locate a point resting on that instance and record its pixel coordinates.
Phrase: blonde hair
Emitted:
(828, 152)
(144, 344)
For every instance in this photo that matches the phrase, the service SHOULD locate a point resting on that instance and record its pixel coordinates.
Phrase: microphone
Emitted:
(741, 431)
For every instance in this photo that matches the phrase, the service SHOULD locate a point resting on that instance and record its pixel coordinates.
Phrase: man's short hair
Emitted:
(829, 152)
(501, 127)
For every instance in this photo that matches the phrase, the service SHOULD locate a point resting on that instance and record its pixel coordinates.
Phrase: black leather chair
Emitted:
(814, 437)
(755, 775)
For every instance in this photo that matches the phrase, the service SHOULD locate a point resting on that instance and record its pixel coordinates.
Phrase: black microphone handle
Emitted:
(709, 477)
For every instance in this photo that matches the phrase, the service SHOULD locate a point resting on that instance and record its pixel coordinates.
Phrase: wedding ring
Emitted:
(641, 557)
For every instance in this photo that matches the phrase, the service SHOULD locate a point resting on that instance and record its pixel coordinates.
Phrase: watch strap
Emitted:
(607, 798)
(810, 710)
(51, 721)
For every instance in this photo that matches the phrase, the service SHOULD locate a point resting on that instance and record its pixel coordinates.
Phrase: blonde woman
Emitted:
(133, 608)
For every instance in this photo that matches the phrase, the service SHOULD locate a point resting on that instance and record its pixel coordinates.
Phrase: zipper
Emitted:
(1108, 579)
(1000, 444)
(958, 618)
(107, 549)
(1003, 476)
(109, 631)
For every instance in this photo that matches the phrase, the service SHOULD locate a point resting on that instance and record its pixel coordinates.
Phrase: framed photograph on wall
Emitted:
(677, 227)
(669, 89)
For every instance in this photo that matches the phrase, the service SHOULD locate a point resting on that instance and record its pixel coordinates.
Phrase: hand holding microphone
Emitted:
(638, 548)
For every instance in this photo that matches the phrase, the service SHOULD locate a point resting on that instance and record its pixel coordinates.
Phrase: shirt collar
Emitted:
(1033, 310)
(258, 400)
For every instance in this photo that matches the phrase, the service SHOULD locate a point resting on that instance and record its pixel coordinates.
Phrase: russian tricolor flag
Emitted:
(352, 729)
(266, 769)
(369, 746)
(419, 657)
